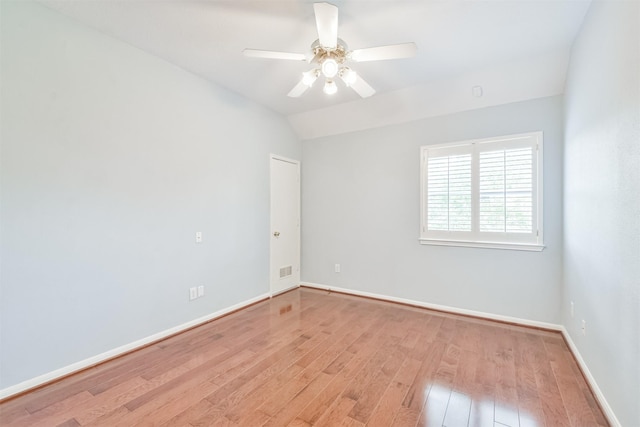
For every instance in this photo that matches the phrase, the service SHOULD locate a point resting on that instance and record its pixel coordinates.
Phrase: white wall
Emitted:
(111, 160)
(602, 201)
(361, 209)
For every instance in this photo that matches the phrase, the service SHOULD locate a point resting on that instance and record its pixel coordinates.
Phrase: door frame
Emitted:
(296, 273)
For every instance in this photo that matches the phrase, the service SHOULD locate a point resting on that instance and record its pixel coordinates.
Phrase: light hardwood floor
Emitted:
(309, 357)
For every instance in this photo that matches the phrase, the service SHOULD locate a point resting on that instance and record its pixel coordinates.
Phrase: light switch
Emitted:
(198, 236)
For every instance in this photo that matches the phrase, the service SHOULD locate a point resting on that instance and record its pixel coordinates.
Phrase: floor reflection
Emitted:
(451, 408)
(285, 311)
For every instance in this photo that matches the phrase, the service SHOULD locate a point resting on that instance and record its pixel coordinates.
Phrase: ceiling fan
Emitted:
(329, 54)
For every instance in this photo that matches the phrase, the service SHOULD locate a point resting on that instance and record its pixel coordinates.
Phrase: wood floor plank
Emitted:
(359, 355)
(289, 391)
(446, 371)
(418, 392)
(506, 395)
(447, 329)
(297, 422)
(374, 390)
(356, 387)
(463, 389)
(344, 356)
(588, 395)
(56, 413)
(263, 344)
(194, 412)
(316, 358)
(255, 418)
(293, 407)
(337, 413)
(326, 399)
(173, 404)
(114, 397)
(12, 411)
(271, 389)
(529, 406)
(192, 377)
(45, 396)
(350, 422)
(325, 359)
(256, 375)
(112, 418)
(579, 412)
(188, 390)
(463, 381)
(193, 343)
(553, 407)
(389, 404)
(435, 407)
(175, 357)
(486, 378)
(394, 395)
(70, 423)
(264, 394)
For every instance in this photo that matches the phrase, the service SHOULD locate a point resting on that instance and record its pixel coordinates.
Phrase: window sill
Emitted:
(486, 245)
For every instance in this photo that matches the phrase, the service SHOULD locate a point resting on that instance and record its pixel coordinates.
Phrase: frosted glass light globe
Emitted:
(329, 68)
(330, 87)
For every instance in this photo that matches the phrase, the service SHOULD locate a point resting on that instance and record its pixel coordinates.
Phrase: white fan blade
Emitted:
(298, 90)
(269, 54)
(361, 87)
(394, 51)
(327, 23)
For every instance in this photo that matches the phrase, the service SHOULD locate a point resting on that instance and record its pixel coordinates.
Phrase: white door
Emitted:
(285, 224)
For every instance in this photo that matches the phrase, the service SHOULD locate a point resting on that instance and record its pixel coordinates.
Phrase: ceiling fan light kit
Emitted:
(330, 87)
(329, 68)
(330, 53)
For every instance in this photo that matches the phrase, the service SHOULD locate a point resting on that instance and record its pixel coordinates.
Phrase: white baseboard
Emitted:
(438, 307)
(91, 361)
(606, 408)
(608, 412)
(285, 290)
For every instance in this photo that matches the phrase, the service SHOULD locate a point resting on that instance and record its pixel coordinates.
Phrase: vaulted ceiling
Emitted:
(515, 47)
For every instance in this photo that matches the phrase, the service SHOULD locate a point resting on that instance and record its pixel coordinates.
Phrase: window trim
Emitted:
(475, 238)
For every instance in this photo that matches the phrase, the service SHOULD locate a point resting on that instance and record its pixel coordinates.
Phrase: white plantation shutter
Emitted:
(449, 193)
(506, 190)
(484, 192)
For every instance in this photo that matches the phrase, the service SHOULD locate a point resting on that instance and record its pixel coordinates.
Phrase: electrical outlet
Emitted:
(193, 293)
(572, 309)
(584, 327)
(200, 291)
(337, 268)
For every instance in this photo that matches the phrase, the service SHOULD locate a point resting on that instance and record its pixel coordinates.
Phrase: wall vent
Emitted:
(285, 271)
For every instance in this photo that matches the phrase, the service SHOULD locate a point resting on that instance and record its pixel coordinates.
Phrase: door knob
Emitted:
(276, 233)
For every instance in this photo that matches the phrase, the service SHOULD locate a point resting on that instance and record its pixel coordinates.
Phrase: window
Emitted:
(484, 193)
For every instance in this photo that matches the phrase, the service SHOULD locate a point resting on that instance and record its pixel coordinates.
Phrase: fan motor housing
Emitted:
(321, 53)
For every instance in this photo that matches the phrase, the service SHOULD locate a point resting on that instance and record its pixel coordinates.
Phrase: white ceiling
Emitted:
(454, 38)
